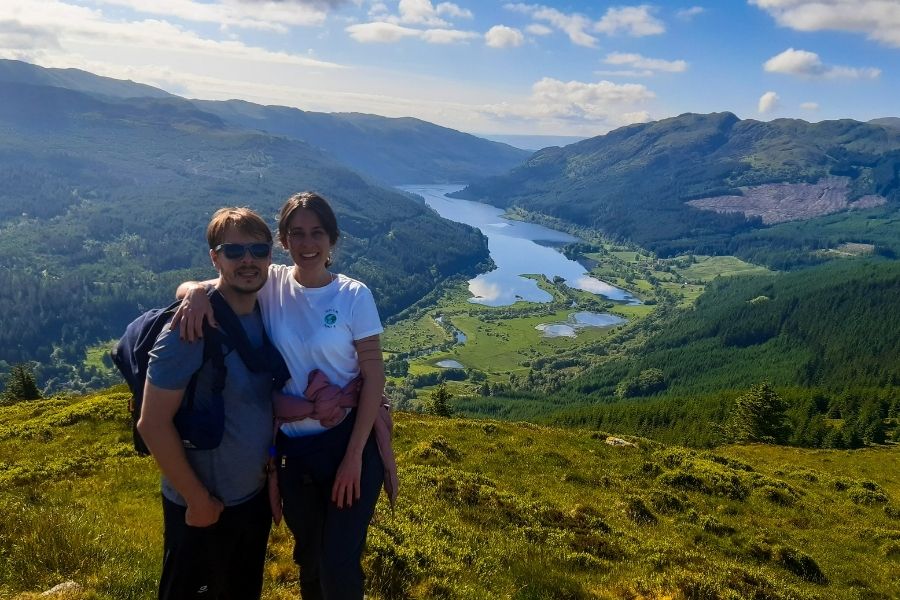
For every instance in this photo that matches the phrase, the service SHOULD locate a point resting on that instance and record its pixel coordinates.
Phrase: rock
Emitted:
(63, 589)
(614, 441)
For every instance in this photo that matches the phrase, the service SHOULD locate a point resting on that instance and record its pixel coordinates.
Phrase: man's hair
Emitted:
(237, 218)
(315, 203)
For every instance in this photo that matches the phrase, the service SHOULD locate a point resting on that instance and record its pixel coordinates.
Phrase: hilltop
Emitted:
(712, 183)
(487, 510)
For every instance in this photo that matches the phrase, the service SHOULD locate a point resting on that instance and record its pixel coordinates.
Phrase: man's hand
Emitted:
(204, 511)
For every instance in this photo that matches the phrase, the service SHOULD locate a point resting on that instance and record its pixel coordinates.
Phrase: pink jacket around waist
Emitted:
(327, 403)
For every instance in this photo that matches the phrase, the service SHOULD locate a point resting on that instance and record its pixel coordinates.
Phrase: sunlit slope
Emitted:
(635, 182)
(487, 510)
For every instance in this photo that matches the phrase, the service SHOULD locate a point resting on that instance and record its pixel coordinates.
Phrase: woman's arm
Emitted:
(195, 307)
(346, 487)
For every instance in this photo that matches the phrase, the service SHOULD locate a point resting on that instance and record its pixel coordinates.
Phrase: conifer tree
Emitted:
(20, 385)
(758, 416)
(440, 402)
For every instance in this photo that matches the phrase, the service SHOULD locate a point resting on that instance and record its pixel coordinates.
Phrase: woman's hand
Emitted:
(346, 481)
(195, 307)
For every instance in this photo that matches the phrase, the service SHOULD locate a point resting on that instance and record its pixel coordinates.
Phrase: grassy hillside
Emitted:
(634, 182)
(487, 510)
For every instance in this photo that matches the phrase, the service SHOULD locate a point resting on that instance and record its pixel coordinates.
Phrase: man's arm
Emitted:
(158, 430)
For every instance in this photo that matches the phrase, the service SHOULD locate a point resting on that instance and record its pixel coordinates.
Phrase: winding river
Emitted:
(517, 248)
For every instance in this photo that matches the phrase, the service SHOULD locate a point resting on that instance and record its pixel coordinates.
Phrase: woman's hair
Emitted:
(311, 201)
(236, 218)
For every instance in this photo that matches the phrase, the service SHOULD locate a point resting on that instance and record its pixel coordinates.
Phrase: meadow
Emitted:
(487, 510)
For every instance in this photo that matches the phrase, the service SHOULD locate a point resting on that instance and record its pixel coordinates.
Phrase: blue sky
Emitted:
(488, 67)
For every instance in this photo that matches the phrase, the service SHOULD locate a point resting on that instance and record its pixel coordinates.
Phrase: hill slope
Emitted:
(635, 182)
(487, 510)
(396, 151)
(104, 205)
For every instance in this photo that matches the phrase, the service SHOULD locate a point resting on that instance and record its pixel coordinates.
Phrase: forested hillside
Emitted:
(395, 151)
(105, 202)
(826, 338)
(634, 182)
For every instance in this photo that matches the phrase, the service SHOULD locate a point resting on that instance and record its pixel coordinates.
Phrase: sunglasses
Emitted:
(238, 251)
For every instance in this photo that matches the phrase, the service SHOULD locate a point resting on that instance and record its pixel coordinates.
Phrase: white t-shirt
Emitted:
(314, 328)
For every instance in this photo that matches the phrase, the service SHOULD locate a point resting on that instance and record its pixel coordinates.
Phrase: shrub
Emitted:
(799, 563)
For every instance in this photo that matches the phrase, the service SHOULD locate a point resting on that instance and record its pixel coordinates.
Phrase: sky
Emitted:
(486, 67)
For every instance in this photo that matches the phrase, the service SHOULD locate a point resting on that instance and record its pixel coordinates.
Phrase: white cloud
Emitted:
(538, 29)
(810, 106)
(574, 25)
(633, 20)
(380, 32)
(264, 15)
(878, 20)
(808, 64)
(422, 12)
(686, 14)
(636, 61)
(452, 10)
(501, 36)
(388, 33)
(73, 26)
(447, 36)
(412, 15)
(604, 103)
(623, 73)
(768, 102)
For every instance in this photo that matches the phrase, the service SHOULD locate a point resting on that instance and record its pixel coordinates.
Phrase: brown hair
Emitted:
(311, 201)
(241, 219)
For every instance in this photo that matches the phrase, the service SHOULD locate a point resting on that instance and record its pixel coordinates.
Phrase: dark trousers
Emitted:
(328, 541)
(221, 562)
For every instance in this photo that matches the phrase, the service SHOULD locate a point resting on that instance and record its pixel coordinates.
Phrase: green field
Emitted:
(486, 510)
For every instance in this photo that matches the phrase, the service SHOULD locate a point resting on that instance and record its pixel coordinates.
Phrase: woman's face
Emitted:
(307, 240)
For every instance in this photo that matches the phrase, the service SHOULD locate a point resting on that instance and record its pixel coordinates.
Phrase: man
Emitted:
(215, 506)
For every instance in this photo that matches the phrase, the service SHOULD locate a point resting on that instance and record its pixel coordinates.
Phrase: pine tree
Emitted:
(758, 416)
(20, 385)
(440, 402)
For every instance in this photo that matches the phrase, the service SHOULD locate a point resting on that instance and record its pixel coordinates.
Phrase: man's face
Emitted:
(244, 274)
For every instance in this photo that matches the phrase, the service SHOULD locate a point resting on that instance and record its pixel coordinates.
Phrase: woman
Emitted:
(329, 469)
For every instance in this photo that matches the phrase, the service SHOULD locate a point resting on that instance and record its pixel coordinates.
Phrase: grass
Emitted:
(487, 510)
(707, 268)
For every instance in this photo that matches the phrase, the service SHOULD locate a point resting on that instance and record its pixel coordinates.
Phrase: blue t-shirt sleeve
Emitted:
(173, 361)
(365, 320)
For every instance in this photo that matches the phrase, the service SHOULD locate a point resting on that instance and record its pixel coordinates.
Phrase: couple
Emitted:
(216, 509)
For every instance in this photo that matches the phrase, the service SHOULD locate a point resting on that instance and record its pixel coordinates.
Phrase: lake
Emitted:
(517, 248)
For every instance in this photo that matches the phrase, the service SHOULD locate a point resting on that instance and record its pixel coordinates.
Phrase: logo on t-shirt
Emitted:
(330, 317)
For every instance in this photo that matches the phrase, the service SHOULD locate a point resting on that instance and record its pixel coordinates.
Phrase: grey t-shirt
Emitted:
(235, 471)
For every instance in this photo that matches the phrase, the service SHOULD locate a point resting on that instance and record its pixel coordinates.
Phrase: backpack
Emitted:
(199, 429)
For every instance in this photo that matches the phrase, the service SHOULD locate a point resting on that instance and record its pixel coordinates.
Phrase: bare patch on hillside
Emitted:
(780, 202)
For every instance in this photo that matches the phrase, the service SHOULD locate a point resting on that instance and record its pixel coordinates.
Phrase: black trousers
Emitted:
(221, 562)
(328, 541)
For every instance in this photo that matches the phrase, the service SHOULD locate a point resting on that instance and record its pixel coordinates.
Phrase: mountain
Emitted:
(892, 122)
(395, 151)
(14, 71)
(104, 203)
(689, 183)
(533, 142)
(486, 510)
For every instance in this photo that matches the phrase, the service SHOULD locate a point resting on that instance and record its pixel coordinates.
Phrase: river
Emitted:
(517, 248)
